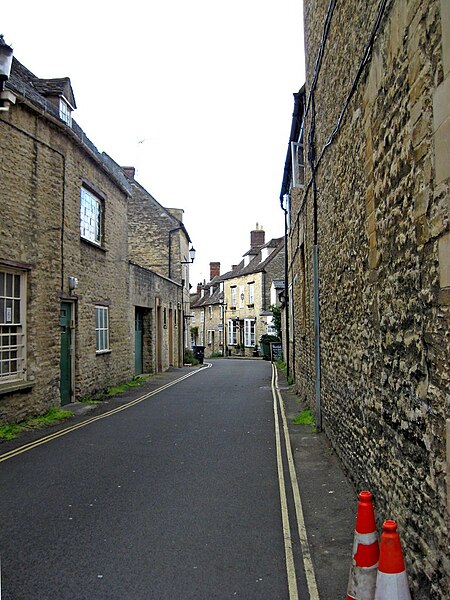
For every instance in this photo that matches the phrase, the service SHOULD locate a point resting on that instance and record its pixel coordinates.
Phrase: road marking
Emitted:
(306, 554)
(57, 434)
(289, 554)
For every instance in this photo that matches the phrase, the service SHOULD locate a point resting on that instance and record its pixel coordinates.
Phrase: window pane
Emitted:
(9, 282)
(16, 286)
(16, 311)
(2, 284)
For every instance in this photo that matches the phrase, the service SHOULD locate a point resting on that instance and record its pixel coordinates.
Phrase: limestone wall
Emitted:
(383, 231)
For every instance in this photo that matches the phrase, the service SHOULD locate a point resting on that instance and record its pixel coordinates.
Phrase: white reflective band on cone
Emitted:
(392, 586)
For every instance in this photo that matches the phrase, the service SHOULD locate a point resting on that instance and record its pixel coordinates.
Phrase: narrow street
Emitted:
(175, 497)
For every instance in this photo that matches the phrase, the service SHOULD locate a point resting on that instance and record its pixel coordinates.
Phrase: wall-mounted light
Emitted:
(6, 56)
(73, 283)
(191, 256)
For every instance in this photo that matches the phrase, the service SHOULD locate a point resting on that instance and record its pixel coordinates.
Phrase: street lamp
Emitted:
(191, 256)
(6, 56)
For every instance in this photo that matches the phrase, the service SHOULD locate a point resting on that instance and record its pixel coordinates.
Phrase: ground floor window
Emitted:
(101, 329)
(210, 336)
(232, 332)
(249, 333)
(12, 325)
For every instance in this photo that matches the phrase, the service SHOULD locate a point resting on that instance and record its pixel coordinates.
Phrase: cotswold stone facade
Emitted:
(375, 206)
(45, 166)
(75, 316)
(245, 296)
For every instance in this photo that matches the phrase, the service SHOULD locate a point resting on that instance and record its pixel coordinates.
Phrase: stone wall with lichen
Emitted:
(383, 241)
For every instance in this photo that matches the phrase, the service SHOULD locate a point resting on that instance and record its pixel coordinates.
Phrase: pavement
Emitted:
(328, 498)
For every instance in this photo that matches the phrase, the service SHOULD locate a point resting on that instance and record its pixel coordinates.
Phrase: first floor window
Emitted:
(90, 217)
(101, 329)
(233, 297)
(249, 332)
(251, 293)
(232, 332)
(12, 325)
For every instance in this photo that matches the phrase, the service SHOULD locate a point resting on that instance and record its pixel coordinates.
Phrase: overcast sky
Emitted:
(196, 94)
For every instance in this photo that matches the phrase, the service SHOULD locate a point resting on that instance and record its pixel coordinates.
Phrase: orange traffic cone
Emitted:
(363, 572)
(392, 581)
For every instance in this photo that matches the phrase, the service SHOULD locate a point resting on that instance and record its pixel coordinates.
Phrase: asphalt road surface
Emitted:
(175, 498)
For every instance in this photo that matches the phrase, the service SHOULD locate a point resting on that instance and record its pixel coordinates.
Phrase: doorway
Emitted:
(65, 360)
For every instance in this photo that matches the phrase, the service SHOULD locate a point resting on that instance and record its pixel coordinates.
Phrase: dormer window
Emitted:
(65, 111)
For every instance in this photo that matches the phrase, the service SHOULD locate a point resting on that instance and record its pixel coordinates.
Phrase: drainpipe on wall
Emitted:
(286, 287)
(312, 162)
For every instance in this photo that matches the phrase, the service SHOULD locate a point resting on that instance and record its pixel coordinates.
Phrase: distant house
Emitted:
(75, 315)
(241, 297)
(207, 314)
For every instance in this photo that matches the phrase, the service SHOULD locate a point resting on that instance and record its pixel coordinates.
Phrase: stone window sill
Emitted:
(15, 386)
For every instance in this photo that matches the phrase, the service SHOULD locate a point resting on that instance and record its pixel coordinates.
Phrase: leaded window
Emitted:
(90, 217)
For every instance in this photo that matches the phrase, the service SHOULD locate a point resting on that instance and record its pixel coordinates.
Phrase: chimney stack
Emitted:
(129, 171)
(214, 270)
(257, 237)
(199, 287)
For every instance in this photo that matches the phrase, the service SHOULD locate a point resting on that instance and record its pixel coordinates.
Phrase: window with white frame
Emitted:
(210, 309)
(201, 338)
(221, 311)
(12, 325)
(101, 329)
(251, 293)
(232, 332)
(202, 315)
(65, 112)
(249, 333)
(233, 296)
(90, 217)
(210, 336)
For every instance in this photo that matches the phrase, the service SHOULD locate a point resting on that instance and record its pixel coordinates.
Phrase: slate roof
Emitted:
(256, 265)
(215, 298)
(30, 86)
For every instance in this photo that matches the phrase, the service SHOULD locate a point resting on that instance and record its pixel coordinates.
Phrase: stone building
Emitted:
(159, 242)
(69, 296)
(368, 254)
(207, 314)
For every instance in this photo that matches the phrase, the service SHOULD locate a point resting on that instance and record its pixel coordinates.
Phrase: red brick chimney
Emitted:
(129, 171)
(214, 270)
(199, 287)
(257, 237)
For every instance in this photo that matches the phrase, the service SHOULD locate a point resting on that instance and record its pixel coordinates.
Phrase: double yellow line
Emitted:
(58, 434)
(301, 527)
